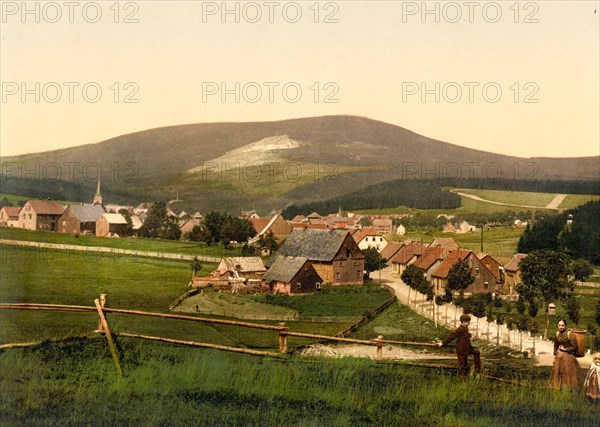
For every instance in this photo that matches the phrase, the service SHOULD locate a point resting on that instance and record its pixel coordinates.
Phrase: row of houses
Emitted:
(438, 257)
(83, 218)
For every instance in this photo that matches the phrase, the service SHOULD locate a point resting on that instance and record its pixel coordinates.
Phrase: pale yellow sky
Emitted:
(389, 61)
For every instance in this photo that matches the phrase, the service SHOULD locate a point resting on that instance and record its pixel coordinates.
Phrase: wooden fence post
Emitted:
(102, 305)
(282, 338)
(379, 348)
(111, 344)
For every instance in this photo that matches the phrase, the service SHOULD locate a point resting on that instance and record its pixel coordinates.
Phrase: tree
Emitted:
(365, 221)
(582, 269)
(160, 225)
(597, 315)
(196, 266)
(373, 261)
(533, 309)
(127, 217)
(544, 274)
(521, 305)
(413, 277)
(268, 242)
(213, 221)
(199, 234)
(459, 276)
(573, 309)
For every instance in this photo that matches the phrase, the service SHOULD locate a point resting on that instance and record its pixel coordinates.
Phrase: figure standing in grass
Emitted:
(592, 381)
(564, 369)
(463, 347)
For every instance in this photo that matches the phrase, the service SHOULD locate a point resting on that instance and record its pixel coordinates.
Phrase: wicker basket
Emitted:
(580, 337)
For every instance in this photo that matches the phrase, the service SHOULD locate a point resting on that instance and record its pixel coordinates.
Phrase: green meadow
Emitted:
(74, 383)
(38, 275)
(130, 243)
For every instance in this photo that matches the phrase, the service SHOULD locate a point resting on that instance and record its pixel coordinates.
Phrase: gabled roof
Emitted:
(365, 232)
(244, 264)
(114, 218)
(513, 264)
(391, 249)
(429, 257)
(407, 252)
(46, 207)
(314, 215)
(259, 224)
(87, 212)
(284, 268)
(383, 222)
(11, 211)
(299, 218)
(452, 258)
(446, 242)
(310, 226)
(316, 245)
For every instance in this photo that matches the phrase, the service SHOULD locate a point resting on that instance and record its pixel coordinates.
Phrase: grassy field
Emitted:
(134, 243)
(76, 278)
(74, 383)
(514, 199)
(15, 200)
(574, 200)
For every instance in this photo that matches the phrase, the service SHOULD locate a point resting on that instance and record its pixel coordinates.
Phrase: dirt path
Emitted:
(389, 352)
(555, 203)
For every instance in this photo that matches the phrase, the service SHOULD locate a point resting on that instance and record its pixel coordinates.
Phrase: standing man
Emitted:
(463, 347)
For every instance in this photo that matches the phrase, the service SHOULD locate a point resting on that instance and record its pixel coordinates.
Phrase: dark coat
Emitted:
(463, 340)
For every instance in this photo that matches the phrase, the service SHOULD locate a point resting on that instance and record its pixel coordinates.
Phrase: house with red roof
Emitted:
(391, 249)
(512, 274)
(370, 238)
(9, 216)
(484, 279)
(277, 225)
(407, 255)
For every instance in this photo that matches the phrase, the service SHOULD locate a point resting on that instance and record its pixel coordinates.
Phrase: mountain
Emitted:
(267, 165)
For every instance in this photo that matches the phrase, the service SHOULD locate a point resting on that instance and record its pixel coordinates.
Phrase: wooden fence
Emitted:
(281, 329)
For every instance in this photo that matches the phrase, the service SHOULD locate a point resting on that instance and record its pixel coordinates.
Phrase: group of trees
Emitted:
(578, 239)
(159, 224)
(222, 227)
(411, 193)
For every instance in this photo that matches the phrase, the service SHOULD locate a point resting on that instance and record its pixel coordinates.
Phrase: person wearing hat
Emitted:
(592, 381)
(463, 347)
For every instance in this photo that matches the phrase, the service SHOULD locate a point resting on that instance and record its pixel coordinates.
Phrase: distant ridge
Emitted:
(334, 155)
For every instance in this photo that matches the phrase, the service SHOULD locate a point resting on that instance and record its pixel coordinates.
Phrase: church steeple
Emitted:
(98, 196)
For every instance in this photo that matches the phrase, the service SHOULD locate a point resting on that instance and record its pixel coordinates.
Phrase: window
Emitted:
(318, 285)
(486, 285)
(347, 253)
(341, 263)
(298, 285)
(358, 273)
(476, 270)
(337, 276)
(355, 262)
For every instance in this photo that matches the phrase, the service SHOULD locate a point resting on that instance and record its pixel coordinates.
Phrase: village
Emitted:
(312, 250)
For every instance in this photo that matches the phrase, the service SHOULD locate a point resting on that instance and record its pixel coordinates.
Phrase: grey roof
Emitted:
(87, 212)
(316, 245)
(284, 269)
(244, 264)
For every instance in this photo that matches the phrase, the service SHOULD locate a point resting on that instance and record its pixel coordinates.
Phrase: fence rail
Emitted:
(103, 328)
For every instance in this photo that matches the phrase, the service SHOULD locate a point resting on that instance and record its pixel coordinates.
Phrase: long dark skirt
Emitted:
(565, 372)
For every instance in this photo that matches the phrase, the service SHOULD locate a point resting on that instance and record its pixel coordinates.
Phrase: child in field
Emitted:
(463, 347)
(592, 381)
